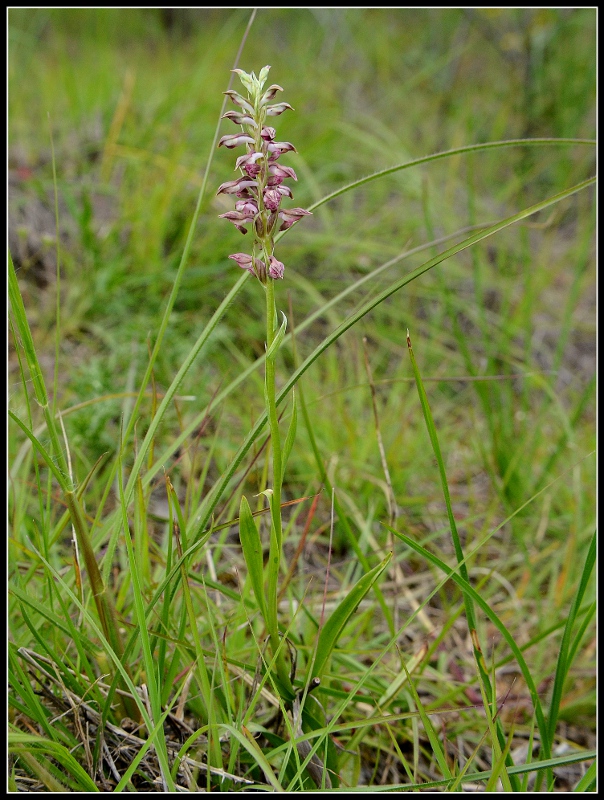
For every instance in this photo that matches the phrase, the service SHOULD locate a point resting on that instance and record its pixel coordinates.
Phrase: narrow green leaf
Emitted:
(249, 743)
(37, 376)
(153, 686)
(41, 450)
(468, 602)
(564, 662)
(252, 552)
(17, 742)
(212, 707)
(276, 343)
(27, 341)
(336, 623)
(41, 767)
(471, 148)
(437, 748)
(21, 684)
(290, 438)
(588, 781)
(479, 600)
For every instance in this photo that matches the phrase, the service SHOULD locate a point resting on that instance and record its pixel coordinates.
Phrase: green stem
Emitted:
(276, 540)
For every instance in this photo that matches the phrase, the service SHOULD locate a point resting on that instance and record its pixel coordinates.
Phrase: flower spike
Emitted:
(260, 189)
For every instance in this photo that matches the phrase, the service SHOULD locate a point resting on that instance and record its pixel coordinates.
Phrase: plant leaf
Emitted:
(276, 344)
(336, 623)
(290, 438)
(252, 552)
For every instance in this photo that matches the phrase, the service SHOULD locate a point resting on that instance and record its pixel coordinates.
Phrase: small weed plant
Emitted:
(223, 600)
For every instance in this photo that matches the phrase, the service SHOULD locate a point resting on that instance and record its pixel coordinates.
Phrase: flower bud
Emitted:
(276, 268)
(246, 79)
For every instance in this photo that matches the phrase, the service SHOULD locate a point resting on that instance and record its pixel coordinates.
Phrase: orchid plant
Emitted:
(260, 190)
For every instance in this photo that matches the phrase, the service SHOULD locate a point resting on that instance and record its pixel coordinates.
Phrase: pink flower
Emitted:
(278, 171)
(270, 94)
(276, 268)
(248, 158)
(268, 133)
(248, 207)
(234, 140)
(248, 163)
(272, 198)
(278, 108)
(236, 217)
(253, 265)
(237, 186)
(292, 215)
(277, 148)
(273, 195)
(238, 118)
(240, 101)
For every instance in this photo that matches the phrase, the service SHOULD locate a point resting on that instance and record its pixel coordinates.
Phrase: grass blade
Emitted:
(477, 598)
(331, 631)
(18, 741)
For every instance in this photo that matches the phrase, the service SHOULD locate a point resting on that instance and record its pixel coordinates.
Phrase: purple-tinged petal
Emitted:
(291, 216)
(278, 171)
(247, 207)
(248, 158)
(238, 118)
(240, 101)
(280, 147)
(278, 108)
(276, 268)
(272, 198)
(253, 265)
(235, 217)
(268, 133)
(234, 140)
(248, 163)
(270, 94)
(237, 186)
(244, 261)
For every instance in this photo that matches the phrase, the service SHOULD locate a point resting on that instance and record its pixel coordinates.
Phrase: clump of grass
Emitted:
(409, 605)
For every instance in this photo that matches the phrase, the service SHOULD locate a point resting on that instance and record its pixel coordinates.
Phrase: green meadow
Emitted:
(351, 553)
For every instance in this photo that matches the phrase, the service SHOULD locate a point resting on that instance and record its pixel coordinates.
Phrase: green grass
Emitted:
(138, 422)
